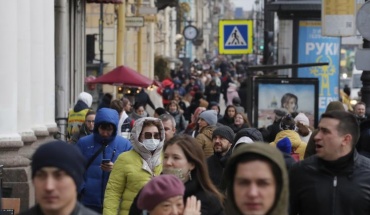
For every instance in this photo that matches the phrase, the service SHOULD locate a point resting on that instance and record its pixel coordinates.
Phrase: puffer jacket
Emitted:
(317, 188)
(280, 206)
(204, 138)
(132, 171)
(95, 179)
(78, 210)
(298, 146)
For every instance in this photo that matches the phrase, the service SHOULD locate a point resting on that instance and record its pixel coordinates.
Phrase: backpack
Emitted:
(167, 93)
(126, 125)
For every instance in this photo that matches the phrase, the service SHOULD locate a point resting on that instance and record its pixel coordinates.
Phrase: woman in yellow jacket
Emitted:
(133, 169)
(288, 129)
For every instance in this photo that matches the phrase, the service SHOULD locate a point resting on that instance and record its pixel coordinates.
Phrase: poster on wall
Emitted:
(294, 94)
(314, 48)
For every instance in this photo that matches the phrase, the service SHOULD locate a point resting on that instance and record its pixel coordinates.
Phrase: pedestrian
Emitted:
(57, 172)
(192, 128)
(360, 112)
(240, 121)
(139, 111)
(164, 195)
(105, 101)
(133, 169)
(303, 127)
(143, 98)
(222, 139)
(169, 125)
(256, 181)
(184, 158)
(337, 179)
(76, 116)
(228, 118)
(247, 135)
(101, 149)
(173, 108)
(206, 125)
(86, 128)
(232, 92)
(117, 105)
(288, 129)
(274, 128)
(159, 111)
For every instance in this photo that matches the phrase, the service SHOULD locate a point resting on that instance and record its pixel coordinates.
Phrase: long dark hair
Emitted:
(194, 154)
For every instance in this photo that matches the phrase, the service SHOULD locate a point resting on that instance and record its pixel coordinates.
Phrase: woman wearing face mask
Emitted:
(184, 158)
(135, 168)
(163, 195)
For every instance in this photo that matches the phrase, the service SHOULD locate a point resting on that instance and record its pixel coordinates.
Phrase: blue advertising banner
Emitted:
(314, 48)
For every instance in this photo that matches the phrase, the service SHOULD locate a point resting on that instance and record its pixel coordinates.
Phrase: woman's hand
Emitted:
(192, 206)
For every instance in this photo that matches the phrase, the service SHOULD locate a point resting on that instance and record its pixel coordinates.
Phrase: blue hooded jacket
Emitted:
(95, 179)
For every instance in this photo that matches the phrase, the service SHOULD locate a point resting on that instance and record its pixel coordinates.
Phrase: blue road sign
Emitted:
(235, 36)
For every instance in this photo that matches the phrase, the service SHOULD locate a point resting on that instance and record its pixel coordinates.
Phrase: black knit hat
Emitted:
(252, 133)
(225, 132)
(61, 155)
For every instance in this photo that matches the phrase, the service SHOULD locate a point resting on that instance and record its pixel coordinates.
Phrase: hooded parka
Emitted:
(132, 170)
(280, 206)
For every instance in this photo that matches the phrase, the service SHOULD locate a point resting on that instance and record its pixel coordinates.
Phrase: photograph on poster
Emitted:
(295, 95)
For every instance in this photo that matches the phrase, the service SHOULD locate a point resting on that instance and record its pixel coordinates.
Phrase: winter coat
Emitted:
(216, 165)
(204, 138)
(212, 93)
(95, 179)
(180, 121)
(281, 201)
(298, 146)
(79, 210)
(338, 187)
(143, 98)
(231, 93)
(84, 131)
(132, 171)
(363, 145)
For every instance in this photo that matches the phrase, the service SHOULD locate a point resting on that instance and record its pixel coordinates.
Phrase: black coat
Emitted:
(317, 188)
(216, 165)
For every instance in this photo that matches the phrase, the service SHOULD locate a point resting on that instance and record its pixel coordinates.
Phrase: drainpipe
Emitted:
(62, 78)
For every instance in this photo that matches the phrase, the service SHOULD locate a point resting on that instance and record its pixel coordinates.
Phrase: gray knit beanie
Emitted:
(210, 116)
(225, 132)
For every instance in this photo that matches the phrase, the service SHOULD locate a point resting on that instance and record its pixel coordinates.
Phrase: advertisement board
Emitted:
(314, 48)
(293, 94)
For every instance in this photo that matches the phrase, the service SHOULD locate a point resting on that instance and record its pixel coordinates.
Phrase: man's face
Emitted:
(55, 190)
(106, 130)
(360, 110)
(329, 143)
(254, 187)
(220, 144)
(169, 129)
(89, 121)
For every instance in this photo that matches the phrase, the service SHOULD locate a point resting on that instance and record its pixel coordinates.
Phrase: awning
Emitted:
(105, 1)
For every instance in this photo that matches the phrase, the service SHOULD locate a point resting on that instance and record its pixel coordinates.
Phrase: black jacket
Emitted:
(79, 210)
(216, 165)
(322, 189)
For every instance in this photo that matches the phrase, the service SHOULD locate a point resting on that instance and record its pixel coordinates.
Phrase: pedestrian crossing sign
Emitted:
(235, 36)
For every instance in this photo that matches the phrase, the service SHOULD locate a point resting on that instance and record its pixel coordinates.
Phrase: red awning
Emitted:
(123, 75)
(105, 1)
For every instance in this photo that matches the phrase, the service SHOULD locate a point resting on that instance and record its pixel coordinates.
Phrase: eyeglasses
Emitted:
(149, 135)
(90, 121)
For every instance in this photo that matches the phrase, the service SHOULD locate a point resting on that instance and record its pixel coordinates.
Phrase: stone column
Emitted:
(38, 71)
(24, 77)
(49, 67)
(15, 166)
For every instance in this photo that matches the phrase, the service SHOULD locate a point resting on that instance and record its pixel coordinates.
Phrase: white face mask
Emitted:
(151, 144)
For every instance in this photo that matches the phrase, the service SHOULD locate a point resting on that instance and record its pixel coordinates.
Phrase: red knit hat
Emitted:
(159, 189)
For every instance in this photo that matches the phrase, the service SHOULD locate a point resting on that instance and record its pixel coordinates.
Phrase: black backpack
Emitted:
(167, 93)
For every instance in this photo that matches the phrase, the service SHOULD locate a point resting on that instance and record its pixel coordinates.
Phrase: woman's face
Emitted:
(140, 110)
(202, 123)
(290, 105)
(231, 112)
(151, 131)
(89, 121)
(171, 206)
(173, 107)
(175, 162)
(239, 120)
